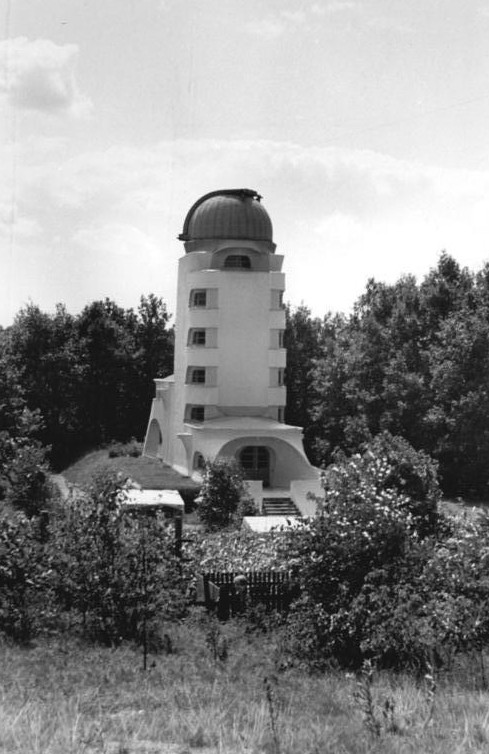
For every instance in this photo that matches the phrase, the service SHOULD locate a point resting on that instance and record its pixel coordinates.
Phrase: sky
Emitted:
(363, 123)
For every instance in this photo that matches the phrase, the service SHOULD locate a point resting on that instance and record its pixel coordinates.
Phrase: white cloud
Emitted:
(269, 27)
(107, 222)
(274, 25)
(117, 240)
(335, 6)
(40, 75)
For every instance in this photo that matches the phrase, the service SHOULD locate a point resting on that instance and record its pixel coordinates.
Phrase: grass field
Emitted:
(61, 697)
(150, 473)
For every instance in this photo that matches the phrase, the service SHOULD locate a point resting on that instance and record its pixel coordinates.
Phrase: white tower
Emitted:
(227, 394)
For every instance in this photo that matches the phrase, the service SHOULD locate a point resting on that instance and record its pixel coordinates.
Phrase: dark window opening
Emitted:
(198, 298)
(239, 261)
(198, 376)
(197, 413)
(197, 337)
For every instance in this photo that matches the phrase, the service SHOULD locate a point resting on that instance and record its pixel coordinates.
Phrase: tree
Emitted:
(223, 489)
(24, 481)
(305, 339)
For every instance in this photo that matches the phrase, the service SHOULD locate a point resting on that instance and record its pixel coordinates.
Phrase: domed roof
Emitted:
(229, 213)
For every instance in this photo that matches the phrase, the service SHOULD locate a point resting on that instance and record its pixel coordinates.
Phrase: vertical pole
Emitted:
(145, 600)
(178, 535)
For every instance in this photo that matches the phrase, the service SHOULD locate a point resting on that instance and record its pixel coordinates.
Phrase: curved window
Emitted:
(238, 261)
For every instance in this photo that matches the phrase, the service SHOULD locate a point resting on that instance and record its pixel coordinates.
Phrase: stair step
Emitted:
(279, 506)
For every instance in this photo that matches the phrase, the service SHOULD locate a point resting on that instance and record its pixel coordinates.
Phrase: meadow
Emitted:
(247, 686)
(220, 688)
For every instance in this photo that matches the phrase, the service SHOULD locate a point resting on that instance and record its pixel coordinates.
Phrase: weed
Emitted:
(430, 693)
(363, 696)
(272, 713)
(216, 642)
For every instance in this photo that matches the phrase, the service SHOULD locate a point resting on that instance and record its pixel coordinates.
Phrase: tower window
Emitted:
(198, 298)
(197, 413)
(197, 376)
(197, 337)
(238, 261)
(281, 377)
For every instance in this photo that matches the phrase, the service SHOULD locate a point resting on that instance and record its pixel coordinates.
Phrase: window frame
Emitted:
(195, 294)
(197, 336)
(197, 376)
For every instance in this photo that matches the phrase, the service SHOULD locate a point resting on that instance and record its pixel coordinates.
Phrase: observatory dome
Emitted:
(228, 214)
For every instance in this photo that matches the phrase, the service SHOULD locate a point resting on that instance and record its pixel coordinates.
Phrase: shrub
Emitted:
(389, 463)
(223, 489)
(23, 579)
(234, 550)
(119, 449)
(412, 473)
(24, 471)
(115, 570)
(363, 525)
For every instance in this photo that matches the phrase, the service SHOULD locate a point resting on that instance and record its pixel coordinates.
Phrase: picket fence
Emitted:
(231, 592)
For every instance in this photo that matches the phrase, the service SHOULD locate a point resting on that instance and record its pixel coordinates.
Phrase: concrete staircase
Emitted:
(279, 506)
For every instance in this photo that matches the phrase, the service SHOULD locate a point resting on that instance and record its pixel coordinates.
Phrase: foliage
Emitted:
(431, 604)
(90, 375)
(23, 466)
(223, 488)
(121, 449)
(115, 570)
(383, 576)
(362, 527)
(23, 578)
(234, 550)
(411, 359)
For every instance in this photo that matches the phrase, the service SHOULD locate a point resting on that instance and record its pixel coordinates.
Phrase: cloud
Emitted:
(268, 28)
(273, 25)
(40, 75)
(105, 222)
(335, 6)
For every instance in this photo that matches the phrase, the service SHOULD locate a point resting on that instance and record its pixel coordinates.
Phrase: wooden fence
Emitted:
(230, 593)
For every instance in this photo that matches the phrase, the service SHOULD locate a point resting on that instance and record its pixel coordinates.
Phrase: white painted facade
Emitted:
(227, 394)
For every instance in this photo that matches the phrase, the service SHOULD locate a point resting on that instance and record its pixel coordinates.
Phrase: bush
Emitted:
(119, 449)
(389, 463)
(222, 493)
(364, 524)
(114, 570)
(234, 550)
(374, 583)
(412, 473)
(24, 578)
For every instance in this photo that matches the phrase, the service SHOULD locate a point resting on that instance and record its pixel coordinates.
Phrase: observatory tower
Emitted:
(227, 394)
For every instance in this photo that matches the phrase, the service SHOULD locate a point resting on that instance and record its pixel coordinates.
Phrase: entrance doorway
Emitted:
(255, 462)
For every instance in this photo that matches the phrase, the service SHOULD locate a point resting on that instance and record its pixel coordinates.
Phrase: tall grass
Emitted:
(64, 697)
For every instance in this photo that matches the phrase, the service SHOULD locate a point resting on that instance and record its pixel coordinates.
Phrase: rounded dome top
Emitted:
(229, 213)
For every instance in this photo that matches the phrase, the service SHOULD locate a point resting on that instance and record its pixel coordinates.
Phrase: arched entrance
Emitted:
(255, 462)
